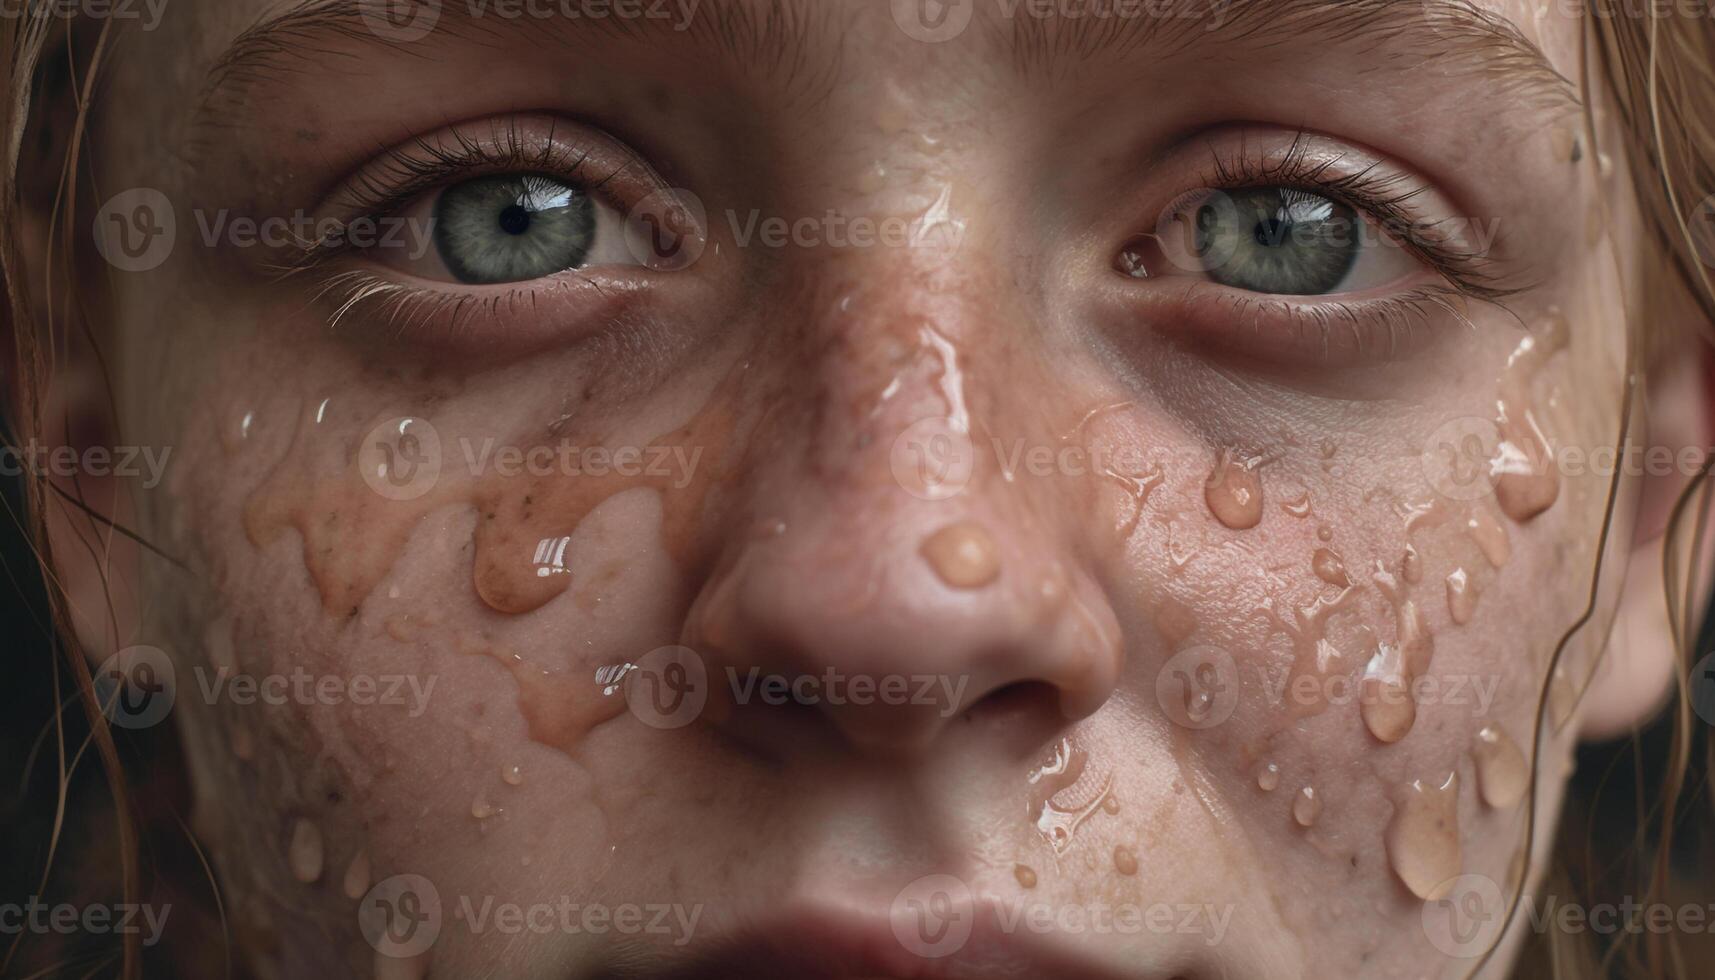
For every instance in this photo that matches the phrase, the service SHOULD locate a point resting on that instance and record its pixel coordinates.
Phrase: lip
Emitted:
(834, 943)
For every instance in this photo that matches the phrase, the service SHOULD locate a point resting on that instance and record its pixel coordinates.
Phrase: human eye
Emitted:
(499, 224)
(1311, 248)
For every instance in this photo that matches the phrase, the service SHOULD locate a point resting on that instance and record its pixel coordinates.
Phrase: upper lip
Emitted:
(828, 943)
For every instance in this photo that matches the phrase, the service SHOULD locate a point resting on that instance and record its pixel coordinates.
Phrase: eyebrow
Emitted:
(797, 41)
(1449, 34)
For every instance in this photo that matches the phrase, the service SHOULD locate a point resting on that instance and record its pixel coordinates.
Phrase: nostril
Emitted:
(1029, 708)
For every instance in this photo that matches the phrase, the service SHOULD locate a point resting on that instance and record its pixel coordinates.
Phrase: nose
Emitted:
(888, 578)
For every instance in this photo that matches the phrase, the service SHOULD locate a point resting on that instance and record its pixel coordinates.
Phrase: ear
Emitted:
(1638, 668)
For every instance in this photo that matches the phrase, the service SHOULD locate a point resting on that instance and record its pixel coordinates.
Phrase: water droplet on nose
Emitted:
(304, 854)
(1125, 862)
(963, 555)
(1306, 806)
(1461, 596)
(1329, 568)
(1025, 874)
(1268, 777)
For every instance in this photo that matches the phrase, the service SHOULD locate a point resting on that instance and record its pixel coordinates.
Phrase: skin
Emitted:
(796, 547)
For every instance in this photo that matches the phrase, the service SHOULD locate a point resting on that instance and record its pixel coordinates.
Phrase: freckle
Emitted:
(1502, 772)
(305, 852)
(1110, 804)
(1125, 862)
(1329, 568)
(1233, 493)
(1306, 806)
(357, 876)
(963, 555)
(512, 776)
(1268, 777)
(1025, 874)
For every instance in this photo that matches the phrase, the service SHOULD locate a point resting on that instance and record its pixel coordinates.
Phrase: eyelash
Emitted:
(1378, 195)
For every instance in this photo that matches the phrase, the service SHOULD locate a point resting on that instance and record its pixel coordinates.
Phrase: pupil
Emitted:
(515, 220)
(1270, 232)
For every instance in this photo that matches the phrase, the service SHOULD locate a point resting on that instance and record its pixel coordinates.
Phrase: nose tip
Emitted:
(876, 641)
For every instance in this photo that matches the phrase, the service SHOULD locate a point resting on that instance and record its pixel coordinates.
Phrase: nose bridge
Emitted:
(890, 571)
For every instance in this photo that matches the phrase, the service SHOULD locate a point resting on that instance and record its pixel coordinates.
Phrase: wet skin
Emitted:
(1152, 647)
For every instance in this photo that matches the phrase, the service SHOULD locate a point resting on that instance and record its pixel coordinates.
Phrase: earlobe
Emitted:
(1640, 661)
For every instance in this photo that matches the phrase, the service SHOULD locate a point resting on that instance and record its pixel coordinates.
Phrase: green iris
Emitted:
(1277, 240)
(513, 227)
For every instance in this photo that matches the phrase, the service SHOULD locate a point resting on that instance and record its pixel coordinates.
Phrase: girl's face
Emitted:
(917, 489)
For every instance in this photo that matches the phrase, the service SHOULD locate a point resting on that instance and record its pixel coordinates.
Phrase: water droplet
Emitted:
(482, 809)
(1306, 806)
(1490, 536)
(1503, 775)
(512, 775)
(304, 854)
(1125, 862)
(1329, 568)
(1387, 708)
(1110, 804)
(1233, 493)
(1461, 596)
(356, 881)
(1025, 874)
(963, 555)
(1423, 837)
(1268, 777)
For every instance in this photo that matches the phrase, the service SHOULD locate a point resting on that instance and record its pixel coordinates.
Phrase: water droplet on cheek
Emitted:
(1388, 709)
(304, 854)
(1025, 875)
(1461, 596)
(1329, 568)
(963, 555)
(1234, 493)
(512, 776)
(1503, 775)
(1423, 837)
